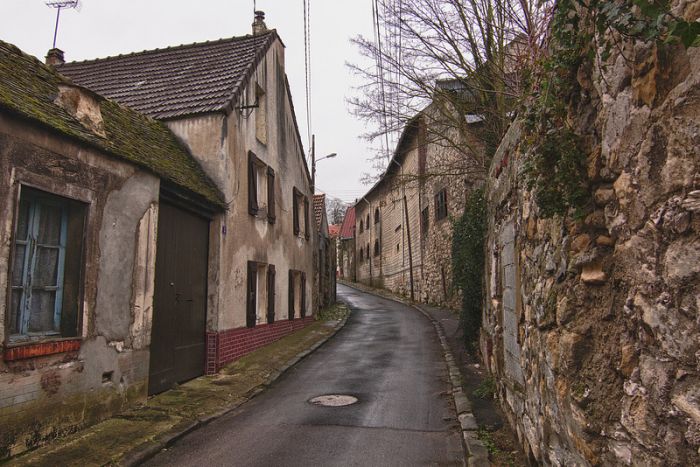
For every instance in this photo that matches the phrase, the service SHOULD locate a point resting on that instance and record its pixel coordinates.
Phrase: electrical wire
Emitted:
(307, 66)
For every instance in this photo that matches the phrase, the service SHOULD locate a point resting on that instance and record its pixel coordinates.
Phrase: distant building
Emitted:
(346, 247)
(326, 254)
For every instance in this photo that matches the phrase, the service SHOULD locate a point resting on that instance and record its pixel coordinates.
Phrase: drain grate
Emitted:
(334, 400)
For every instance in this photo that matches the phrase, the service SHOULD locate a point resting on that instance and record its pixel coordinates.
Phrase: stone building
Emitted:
(591, 326)
(84, 182)
(404, 222)
(346, 246)
(326, 254)
(229, 101)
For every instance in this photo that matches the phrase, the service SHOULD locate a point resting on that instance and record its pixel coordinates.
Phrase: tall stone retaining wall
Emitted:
(592, 326)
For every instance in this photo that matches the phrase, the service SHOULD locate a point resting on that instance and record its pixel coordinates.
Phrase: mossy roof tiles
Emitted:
(175, 81)
(29, 88)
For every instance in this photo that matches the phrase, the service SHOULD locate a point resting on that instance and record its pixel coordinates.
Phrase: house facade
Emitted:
(234, 112)
(85, 183)
(325, 256)
(346, 246)
(404, 223)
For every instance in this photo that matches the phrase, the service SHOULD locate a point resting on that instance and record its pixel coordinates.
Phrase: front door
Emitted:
(178, 333)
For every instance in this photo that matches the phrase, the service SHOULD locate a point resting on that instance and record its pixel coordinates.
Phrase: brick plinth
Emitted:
(226, 346)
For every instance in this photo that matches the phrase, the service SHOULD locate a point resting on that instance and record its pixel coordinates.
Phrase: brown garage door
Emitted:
(179, 314)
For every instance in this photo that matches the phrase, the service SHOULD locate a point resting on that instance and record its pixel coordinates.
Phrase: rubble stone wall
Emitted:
(592, 326)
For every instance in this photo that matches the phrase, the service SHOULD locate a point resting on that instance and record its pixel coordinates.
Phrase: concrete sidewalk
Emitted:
(136, 434)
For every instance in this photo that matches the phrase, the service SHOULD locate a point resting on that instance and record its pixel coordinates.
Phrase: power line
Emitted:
(307, 66)
(380, 73)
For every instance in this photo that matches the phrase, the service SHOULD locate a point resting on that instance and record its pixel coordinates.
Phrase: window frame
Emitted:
(76, 204)
(441, 205)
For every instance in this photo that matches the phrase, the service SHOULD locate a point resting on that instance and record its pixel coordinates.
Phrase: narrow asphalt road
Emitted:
(389, 357)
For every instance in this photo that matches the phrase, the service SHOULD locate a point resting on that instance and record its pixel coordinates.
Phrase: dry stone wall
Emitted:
(592, 326)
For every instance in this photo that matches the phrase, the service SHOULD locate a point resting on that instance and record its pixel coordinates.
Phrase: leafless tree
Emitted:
(335, 210)
(454, 61)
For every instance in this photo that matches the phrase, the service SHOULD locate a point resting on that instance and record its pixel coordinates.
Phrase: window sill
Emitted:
(24, 350)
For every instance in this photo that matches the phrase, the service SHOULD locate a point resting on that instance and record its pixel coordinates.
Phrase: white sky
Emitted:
(110, 27)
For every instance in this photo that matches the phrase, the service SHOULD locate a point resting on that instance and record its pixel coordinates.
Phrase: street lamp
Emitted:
(314, 160)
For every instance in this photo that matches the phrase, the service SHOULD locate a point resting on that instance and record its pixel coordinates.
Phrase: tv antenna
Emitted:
(58, 5)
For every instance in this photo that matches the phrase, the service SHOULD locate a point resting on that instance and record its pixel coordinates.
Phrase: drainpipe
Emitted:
(369, 210)
(408, 229)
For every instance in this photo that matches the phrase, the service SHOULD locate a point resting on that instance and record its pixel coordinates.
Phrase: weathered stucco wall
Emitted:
(593, 326)
(44, 396)
(221, 144)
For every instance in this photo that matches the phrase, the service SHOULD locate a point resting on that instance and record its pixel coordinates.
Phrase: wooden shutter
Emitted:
(303, 294)
(271, 195)
(290, 312)
(251, 298)
(252, 185)
(271, 294)
(295, 210)
(307, 231)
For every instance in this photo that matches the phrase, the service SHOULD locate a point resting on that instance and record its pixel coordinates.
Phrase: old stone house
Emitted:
(404, 222)
(591, 326)
(86, 187)
(229, 102)
(326, 254)
(346, 246)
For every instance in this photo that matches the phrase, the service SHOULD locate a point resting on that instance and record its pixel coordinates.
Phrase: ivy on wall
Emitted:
(468, 264)
(555, 169)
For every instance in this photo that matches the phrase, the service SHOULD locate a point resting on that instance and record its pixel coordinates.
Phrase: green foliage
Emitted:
(486, 389)
(555, 170)
(468, 264)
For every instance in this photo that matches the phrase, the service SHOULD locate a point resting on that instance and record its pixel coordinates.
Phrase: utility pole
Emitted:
(313, 164)
(408, 228)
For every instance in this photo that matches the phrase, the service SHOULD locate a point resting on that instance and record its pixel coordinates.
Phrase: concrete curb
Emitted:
(146, 451)
(476, 453)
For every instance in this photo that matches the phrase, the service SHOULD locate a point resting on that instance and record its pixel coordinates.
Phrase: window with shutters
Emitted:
(300, 213)
(441, 204)
(261, 189)
(260, 295)
(47, 261)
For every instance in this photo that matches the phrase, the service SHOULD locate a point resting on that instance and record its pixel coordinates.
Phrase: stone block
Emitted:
(593, 273)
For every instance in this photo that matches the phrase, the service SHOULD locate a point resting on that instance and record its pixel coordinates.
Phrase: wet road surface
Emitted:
(389, 358)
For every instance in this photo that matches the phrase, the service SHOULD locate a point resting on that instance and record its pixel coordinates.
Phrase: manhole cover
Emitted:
(334, 400)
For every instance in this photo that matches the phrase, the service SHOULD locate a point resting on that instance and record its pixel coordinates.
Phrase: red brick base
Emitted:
(226, 346)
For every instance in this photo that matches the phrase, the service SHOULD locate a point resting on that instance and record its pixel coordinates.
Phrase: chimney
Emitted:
(259, 26)
(55, 57)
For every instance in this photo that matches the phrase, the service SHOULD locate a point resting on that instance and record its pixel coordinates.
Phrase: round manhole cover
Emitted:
(334, 400)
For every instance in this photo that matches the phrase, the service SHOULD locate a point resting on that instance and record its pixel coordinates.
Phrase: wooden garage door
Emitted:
(178, 336)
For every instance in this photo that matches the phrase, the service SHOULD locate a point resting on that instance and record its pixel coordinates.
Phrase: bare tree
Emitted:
(452, 61)
(335, 210)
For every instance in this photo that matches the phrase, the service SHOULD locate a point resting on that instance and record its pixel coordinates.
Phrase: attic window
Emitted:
(260, 115)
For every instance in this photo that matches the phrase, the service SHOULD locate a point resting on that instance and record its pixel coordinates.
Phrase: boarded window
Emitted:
(46, 266)
(441, 204)
(290, 295)
(252, 294)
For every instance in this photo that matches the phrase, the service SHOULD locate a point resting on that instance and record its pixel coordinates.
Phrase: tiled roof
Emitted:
(319, 206)
(347, 229)
(28, 89)
(175, 81)
(333, 230)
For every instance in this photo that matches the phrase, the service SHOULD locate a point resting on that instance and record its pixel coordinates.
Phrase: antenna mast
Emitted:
(58, 5)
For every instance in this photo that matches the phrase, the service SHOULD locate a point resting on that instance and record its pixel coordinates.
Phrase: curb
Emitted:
(476, 453)
(146, 451)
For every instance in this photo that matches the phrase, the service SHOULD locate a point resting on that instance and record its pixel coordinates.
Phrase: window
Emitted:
(441, 204)
(260, 115)
(362, 226)
(296, 294)
(367, 252)
(46, 266)
(260, 296)
(300, 205)
(367, 221)
(261, 186)
(425, 221)
(376, 248)
(376, 216)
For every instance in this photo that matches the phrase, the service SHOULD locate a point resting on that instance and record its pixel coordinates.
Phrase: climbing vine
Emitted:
(555, 170)
(468, 264)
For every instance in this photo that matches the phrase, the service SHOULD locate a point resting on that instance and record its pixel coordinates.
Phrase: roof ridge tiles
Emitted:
(171, 48)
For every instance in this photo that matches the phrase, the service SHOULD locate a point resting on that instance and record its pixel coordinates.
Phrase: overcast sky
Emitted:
(109, 27)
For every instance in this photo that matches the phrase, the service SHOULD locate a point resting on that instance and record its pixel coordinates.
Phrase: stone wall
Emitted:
(592, 326)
